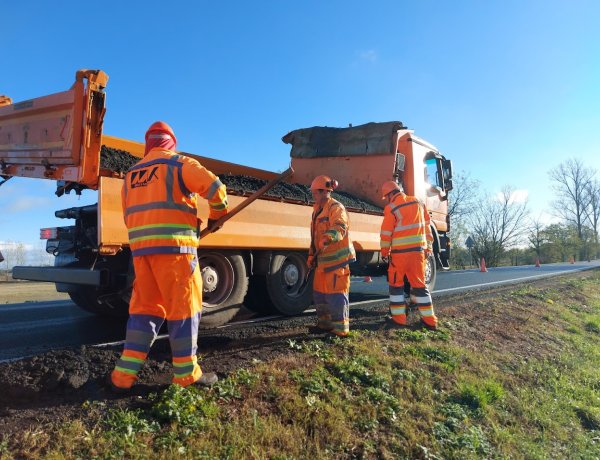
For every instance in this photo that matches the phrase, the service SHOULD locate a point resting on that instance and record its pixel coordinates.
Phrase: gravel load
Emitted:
(116, 160)
(296, 193)
(120, 161)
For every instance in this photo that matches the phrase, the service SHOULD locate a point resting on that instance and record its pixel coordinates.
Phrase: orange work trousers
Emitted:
(167, 287)
(331, 297)
(411, 265)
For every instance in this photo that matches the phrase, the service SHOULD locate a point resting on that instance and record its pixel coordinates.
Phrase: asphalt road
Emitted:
(32, 328)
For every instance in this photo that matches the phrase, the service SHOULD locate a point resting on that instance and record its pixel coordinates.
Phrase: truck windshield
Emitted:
(431, 170)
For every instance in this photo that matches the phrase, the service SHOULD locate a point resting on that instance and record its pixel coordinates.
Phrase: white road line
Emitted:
(546, 275)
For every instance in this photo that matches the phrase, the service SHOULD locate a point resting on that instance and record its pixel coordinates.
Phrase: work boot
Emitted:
(115, 389)
(430, 322)
(207, 379)
(399, 319)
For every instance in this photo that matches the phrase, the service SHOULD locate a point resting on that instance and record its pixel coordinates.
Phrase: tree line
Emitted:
(503, 231)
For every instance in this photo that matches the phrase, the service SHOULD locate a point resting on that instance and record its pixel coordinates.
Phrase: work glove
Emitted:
(310, 262)
(428, 249)
(324, 242)
(211, 223)
(385, 259)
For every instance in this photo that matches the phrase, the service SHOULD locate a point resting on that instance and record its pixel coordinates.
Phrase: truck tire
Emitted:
(288, 291)
(90, 299)
(225, 284)
(430, 272)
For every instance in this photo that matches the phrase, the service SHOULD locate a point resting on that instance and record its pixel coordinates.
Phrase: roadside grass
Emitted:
(392, 393)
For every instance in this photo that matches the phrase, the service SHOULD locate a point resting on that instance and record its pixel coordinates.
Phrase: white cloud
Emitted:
(26, 203)
(368, 55)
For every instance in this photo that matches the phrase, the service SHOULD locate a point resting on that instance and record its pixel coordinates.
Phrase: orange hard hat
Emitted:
(160, 128)
(324, 183)
(388, 187)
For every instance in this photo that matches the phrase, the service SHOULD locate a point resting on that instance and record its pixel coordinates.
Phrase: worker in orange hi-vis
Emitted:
(331, 251)
(160, 206)
(406, 242)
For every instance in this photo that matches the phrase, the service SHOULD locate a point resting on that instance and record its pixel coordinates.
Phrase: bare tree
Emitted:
(14, 254)
(497, 224)
(464, 197)
(592, 212)
(571, 180)
(536, 236)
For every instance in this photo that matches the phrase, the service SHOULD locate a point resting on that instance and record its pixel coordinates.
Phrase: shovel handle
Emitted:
(260, 192)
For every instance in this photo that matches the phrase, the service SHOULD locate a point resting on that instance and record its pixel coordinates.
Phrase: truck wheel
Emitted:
(225, 283)
(430, 272)
(286, 285)
(91, 300)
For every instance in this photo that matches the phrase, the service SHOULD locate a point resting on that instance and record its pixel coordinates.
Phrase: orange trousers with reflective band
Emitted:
(331, 297)
(166, 287)
(411, 265)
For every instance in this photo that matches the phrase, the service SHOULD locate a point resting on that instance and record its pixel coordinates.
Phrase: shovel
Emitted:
(260, 192)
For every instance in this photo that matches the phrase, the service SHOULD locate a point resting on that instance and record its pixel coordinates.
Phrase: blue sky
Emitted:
(507, 90)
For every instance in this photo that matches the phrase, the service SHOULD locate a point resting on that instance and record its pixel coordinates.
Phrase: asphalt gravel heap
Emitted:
(121, 161)
(297, 193)
(116, 160)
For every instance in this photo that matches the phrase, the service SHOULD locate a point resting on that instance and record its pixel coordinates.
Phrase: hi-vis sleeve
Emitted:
(387, 229)
(200, 180)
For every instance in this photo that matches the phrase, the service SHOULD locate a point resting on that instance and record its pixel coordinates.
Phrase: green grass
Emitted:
(398, 393)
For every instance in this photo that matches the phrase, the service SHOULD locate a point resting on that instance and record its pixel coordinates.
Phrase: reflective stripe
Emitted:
(386, 233)
(161, 161)
(409, 240)
(413, 249)
(397, 310)
(407, 227)
(408, 203)
(160, 229)
(213, 189)
(164, 250)
(397, 298)
(180, 238)
(340, 265)
(218, 206)
(125, 371)
(335, 235)
(163, 205)
(344, 252)
(426, 311)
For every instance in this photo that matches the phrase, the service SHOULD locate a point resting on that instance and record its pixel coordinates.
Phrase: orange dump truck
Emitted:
(258, 257)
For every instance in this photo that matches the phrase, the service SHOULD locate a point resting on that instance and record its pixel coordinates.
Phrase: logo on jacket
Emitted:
(143, 177)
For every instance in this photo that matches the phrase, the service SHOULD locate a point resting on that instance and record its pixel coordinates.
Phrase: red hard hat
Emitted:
(160, 128)
(389, 187)
(324, 183)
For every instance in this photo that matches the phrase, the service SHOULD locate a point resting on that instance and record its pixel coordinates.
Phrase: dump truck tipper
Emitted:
(258, 257)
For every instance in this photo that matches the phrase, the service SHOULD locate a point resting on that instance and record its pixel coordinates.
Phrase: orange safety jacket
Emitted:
(331, 221)
(161, 206)
(406, 226)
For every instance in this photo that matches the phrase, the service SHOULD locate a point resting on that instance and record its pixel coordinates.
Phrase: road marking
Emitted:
(514, 280)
